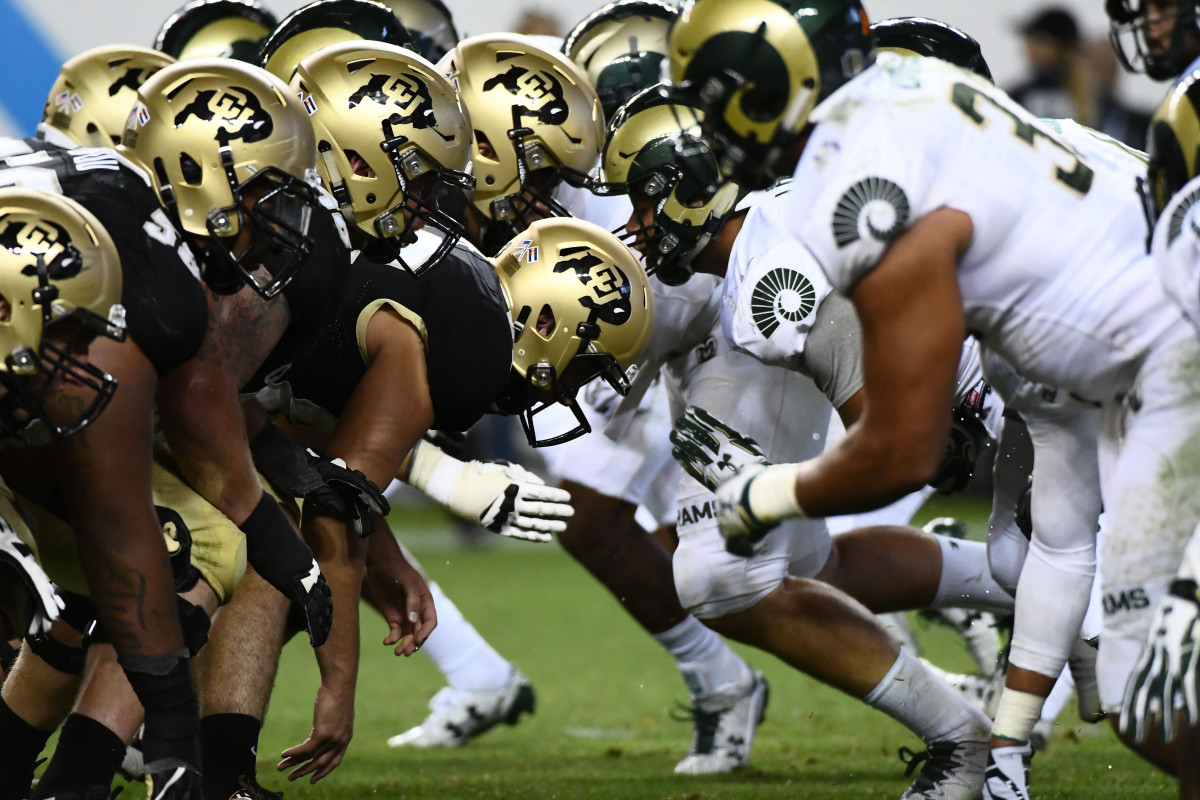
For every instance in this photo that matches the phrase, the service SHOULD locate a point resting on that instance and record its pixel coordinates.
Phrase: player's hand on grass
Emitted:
(325, 747)
(1165, 677)
(400, 593)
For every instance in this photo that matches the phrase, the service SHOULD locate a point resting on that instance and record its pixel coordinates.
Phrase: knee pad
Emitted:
(64, 658)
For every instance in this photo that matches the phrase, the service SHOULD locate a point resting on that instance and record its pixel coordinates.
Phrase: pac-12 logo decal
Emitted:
(408, 95)
(873, 207)
(237, 110)
(528, 251)
(609, 301)
(32, 237)
(782, 295)
(539, 94)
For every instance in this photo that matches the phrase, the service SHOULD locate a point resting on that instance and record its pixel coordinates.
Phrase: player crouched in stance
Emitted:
(60, 284)
(899, 197)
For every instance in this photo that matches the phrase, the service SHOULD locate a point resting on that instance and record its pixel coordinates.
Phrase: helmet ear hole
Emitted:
(546, 322)
(191, 171)
(5, 310)
(486, 150)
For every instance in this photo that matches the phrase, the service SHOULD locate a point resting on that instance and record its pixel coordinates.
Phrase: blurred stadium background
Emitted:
(38, 35)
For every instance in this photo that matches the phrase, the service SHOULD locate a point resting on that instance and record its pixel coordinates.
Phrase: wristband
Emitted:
(771, 495)
(433, 472)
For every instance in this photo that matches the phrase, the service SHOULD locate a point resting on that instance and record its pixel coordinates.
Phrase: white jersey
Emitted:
(1055, 280)
(1176, 251)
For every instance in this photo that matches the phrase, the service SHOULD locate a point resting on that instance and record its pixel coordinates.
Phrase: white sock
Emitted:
(966, 579)
(466, 660)
(924, 704)
(709, 666)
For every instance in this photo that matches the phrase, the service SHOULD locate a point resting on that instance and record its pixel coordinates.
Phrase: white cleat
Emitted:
(722, 736)
(950, 770)
(457, 716)
(1008, 773)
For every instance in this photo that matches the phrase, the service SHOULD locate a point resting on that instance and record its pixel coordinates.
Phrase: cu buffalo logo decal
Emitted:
(237, 111)
(610, 287)
(409, 96)
(31, 238)
(132, 79)
(538, 94)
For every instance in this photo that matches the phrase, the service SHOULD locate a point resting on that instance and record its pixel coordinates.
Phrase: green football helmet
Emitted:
(656, 154)
(622, 47)
(324, 22)
(757, 68)
(928, 37)
(1132, 29)
(216, 29)
(429, 23)
(1173, 144)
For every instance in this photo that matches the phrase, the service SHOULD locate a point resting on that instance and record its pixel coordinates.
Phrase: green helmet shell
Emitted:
(757, 68)
(325, 22)
(655, 153)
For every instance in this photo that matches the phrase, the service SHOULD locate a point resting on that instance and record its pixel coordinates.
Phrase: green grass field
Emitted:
(604, 690)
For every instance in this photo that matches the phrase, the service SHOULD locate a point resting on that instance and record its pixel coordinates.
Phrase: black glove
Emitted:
(283, 559)
(327, 483)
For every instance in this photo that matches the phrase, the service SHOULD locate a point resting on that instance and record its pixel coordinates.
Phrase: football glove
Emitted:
(39, 603)
(752, 494)
(325, 482)
(709, 450)
(1165, 676)
(283, 559)
(504, 498)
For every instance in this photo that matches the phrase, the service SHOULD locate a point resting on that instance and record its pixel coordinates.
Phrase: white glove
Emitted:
(43, 603)
(753, 494)
(504, 498)
(1165, 677)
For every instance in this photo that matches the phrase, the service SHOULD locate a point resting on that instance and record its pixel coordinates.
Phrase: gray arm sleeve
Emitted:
(833, 350)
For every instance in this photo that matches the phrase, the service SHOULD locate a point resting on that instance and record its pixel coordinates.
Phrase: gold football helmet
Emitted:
(229, 150)
(390, 132)
(94, 91)
(533, 111)
(324, 22)
(60, 286)
(582, 308)
(216, 29)
(656, 154)
(622, 47)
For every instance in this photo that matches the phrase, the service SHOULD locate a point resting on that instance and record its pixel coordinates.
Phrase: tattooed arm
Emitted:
(198, 401)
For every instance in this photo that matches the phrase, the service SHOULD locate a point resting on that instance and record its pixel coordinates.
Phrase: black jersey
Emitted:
(460, 311)
(316, 287)
(165, 306)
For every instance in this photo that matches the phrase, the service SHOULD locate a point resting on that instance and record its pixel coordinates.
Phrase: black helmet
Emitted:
(1129, 23)
(309, 28)
(928, 37)
(216, 29)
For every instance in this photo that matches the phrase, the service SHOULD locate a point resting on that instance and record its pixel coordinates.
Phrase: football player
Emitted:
(430, 24)
(160, 362)
(1165, 684)
(1157, 37)
(940, 237)
(324, 22)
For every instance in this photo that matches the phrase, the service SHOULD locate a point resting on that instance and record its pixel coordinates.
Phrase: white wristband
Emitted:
(433, 472)
(772, 495)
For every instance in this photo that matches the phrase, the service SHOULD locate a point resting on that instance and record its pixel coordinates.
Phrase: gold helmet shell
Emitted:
(384, 119)
(206, 131)
(532, 109)
(57, 265)
(582, 308)
(95, 90)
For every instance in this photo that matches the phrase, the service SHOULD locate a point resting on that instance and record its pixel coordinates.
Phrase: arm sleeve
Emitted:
(833, 353)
